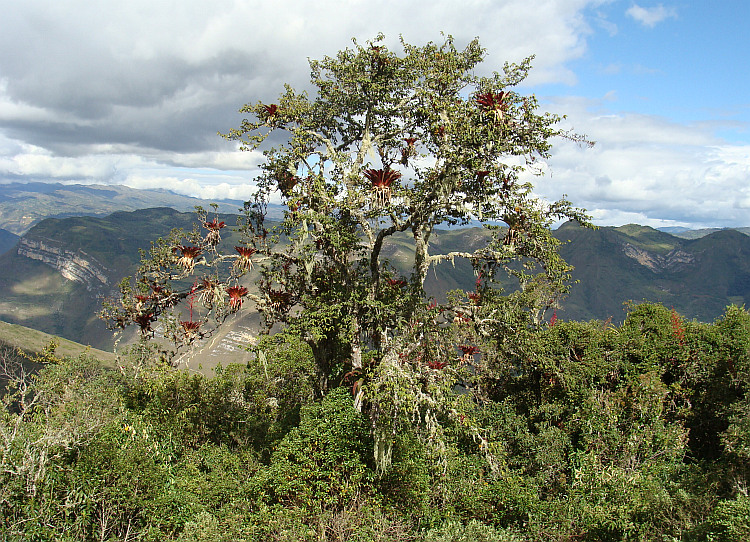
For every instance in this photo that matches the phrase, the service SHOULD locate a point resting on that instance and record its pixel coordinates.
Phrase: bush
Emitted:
(323, 462)
(730, 521)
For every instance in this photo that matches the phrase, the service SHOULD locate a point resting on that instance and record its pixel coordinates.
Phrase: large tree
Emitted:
(391, 144)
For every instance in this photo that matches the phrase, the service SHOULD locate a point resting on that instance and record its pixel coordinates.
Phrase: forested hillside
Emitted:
(612, 266)
(594, 432)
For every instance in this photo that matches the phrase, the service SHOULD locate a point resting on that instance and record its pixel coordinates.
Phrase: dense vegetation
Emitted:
(374, 412)
(598, 433)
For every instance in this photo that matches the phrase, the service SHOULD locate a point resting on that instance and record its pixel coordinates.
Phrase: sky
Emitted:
(135, 93)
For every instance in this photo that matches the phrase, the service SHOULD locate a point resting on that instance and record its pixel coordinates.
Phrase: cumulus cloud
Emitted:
(649, 170)
(650, 17)
(194, 187)
(168, 76)
(135, 92)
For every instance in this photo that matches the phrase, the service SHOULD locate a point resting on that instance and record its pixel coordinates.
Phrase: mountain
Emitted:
(7, 240)
(61, 269)
(698, 277)
(687, 233)
(24, 204)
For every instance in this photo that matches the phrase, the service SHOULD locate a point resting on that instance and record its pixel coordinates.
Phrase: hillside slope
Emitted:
(23, 205)
(60, 271)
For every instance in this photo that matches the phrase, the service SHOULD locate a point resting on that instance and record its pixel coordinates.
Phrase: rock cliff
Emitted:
(76, 266)
(674, 260)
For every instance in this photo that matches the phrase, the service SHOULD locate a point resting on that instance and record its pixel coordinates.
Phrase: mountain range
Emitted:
(24, 204)
(63, 248)
(59, 270)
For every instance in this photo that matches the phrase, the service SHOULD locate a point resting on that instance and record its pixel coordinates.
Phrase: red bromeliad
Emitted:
(396, 283)
(213, 228)
(279, 298)
(188, 256)
(287, 181)
(214, 225)
(141, 300)
(468, 351)
(190, 327)
(437, 365)
(244, 262)
(381, 180)
(493, 103)
(271, 110)
(209, 291)
(236, 293)
(144, 320)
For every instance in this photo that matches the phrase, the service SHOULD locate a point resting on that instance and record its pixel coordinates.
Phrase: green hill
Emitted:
(55, 279)
(698, 277)
(22, 205)
(32, 340)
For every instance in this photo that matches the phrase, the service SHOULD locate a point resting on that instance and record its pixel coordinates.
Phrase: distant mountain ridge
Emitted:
(61, 269)
(687, 233)
(698, 277)
(24, 204)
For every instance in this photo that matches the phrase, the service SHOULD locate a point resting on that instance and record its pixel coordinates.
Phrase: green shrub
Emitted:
(323, 462)
(730, 521)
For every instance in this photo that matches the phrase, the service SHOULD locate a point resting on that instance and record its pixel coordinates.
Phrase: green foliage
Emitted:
(323, 461)
(729, 521)
(473, 531)
(584, 431)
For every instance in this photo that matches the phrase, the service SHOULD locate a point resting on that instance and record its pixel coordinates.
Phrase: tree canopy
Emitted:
(391, 144)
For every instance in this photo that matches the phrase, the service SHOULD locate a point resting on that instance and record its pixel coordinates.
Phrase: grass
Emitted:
(34, 341)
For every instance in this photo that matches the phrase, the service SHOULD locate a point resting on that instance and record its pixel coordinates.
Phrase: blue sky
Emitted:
(687, 62)
(134, 93)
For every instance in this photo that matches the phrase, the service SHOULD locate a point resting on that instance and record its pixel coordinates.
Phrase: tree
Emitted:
(392, 145)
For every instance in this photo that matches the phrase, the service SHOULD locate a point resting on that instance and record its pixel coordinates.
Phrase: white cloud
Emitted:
(188, 186)
(135, 92)
(649, 170)
(650, 16)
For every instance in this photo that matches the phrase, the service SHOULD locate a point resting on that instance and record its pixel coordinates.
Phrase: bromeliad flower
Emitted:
(474, 297)
(271, 111)
(244, 262)
(157, 289)
(191, 328)
(213, 237)
(141, 300)
(396, 283)
(188, 256)
(209, 291)
(144, 320)
(381, 180)
(236, 293)
(408, 151)
(493, 103)
(437, 365)
(279, 298)
(468, 351)
(214, 225)
(287, 181)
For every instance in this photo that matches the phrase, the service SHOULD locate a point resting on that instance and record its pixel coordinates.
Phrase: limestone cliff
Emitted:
(674, 260)
(76, 266)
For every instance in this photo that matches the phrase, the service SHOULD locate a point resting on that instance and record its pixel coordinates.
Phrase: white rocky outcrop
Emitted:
(76, 266)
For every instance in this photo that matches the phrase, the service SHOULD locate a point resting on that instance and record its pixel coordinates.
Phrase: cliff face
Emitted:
(76, 266)
(675, 260)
